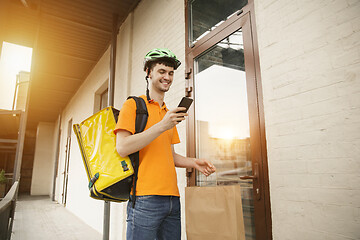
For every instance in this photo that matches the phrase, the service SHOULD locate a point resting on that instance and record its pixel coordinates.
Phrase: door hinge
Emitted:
(188, 88)
(188, 74)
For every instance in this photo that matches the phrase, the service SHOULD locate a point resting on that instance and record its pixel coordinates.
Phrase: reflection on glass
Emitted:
(206, 15)
(222, 119)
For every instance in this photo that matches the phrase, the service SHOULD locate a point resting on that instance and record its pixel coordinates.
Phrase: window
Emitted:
(101, 97)
(206, 15)
(104, 99)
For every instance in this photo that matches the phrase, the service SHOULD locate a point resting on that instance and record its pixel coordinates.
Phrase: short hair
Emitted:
(165, 61)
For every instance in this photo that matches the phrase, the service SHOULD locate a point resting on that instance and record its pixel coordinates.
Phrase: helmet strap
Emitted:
(147, 88)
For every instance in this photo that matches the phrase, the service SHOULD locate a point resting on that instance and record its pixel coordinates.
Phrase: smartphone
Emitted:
(185, 102)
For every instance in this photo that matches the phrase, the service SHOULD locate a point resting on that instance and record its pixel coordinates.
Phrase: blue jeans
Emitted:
(154, 217)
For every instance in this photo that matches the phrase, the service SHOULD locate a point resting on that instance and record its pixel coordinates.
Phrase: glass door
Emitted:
(222, 119)
(224, 122)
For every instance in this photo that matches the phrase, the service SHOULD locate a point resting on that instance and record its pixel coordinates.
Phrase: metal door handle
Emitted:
(256, 173)
(248, 177)
(256, 184)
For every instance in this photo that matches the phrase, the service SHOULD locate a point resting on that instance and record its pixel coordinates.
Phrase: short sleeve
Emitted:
(127, 116)
(175, 136)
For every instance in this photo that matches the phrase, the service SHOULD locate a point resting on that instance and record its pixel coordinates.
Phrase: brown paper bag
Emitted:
(214, 213)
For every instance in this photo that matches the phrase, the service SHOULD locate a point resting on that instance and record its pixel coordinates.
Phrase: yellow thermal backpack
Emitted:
(110, 176)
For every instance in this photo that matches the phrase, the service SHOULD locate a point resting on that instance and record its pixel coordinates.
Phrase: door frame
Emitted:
(67, 162)
(244, 19)
(57, 155)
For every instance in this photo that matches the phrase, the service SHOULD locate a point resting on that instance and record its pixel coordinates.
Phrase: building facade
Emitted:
(300, 62)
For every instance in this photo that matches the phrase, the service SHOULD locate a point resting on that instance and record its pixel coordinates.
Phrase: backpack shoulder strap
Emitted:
(141, 114)
(140, 124)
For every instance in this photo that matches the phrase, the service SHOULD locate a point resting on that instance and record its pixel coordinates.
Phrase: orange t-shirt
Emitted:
(157, 174)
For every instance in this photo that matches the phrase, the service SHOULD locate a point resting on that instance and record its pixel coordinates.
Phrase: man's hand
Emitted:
(172, 118)
(204, 166)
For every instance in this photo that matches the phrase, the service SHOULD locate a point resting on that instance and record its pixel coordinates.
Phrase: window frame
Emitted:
(102, 100)
(98, 96)
(189, 20)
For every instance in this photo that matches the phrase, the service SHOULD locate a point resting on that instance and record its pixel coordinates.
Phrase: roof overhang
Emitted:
(68, 38)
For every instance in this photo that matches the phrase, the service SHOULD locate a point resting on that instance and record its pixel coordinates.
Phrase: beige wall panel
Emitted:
(41, 183)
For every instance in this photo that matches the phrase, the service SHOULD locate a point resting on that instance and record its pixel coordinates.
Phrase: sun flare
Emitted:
(14, 59)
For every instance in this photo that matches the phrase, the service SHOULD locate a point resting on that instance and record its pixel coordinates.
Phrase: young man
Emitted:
(156, 214)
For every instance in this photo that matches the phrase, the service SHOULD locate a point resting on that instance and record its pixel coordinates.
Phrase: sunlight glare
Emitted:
(225, 132)
(14, 58)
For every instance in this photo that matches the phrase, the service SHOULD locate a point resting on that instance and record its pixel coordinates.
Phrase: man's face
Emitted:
(161, 77)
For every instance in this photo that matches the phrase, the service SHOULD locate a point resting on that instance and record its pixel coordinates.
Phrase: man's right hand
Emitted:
(172, 118)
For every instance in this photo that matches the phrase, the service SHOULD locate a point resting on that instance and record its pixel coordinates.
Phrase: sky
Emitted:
(14, 58)
(221, 100)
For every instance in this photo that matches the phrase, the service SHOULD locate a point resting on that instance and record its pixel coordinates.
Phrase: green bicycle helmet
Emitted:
(160, 53)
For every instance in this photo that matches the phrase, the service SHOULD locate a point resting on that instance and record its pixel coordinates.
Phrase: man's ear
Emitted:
(148, 72)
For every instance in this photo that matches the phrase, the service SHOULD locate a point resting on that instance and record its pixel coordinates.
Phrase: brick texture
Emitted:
(153, 24)
(310, 68)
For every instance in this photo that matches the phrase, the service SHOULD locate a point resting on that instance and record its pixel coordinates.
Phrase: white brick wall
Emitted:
(155, 27)
(310, 67)
(161, 24)
(154, 23)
